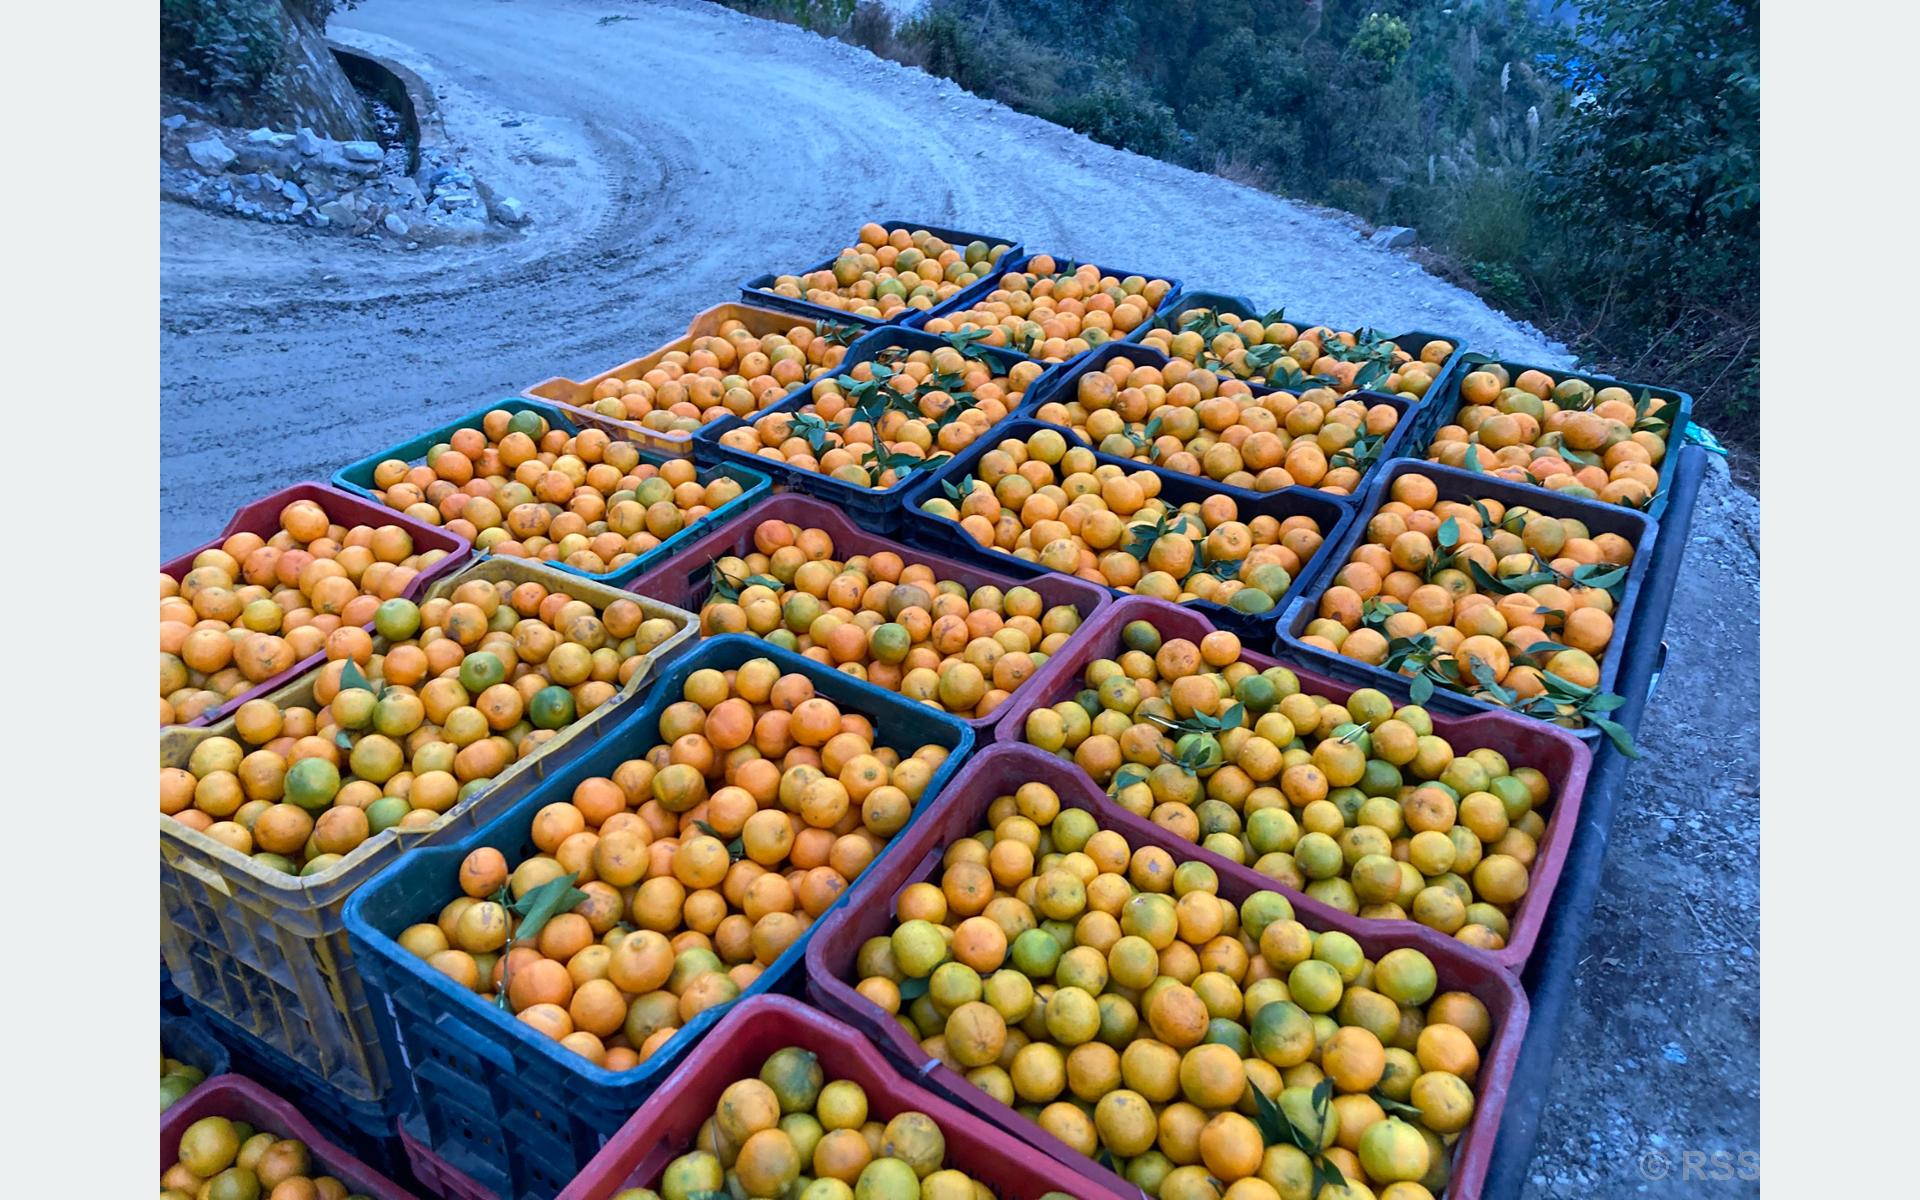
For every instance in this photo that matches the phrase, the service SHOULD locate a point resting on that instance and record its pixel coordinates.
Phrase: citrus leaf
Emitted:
(1617, 734)
(537, 906)
(350, 677)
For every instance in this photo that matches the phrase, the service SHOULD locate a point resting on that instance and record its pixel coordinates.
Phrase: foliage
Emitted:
(228, 54)
(1381, 40)
(217, 51)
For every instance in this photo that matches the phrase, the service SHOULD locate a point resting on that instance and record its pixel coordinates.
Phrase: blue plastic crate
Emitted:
(1428, 415)
(501, 1103)
(357, 477)
(363, 1127)
(1062, 266)
(944, 533)
(1059, 386)
(1459, 485)
(881, 510)
(756, 290)
(188, 1039)
(1677, 410)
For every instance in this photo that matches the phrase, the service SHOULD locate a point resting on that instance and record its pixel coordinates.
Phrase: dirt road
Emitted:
(668, 151)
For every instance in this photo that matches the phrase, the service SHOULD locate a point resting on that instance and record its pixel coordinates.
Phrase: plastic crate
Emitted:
(1553, 751)
(263, 517)
(242, 1099)
(1427, 414)
(1553, 973)
(357, 477)
(758, 289)
(684, 581)
(1466, 486)
(507, 1106)
(667, 1125)
(1063, 265)
(1178, 489)
(577, 396)
(1001, 769)
(1062, 384)
(184, 1038)
(882, 510)
(1678, 412)
(364, 1128)
(435, 1174)
(266, 951)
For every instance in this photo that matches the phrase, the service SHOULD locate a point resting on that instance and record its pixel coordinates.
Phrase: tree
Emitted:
(260, 62)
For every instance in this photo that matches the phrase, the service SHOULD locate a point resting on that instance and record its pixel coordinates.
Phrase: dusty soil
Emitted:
(677, 149)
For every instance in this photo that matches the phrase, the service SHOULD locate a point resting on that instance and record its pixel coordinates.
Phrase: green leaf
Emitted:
(1600, 575)
(341, 739)
(1617, 734)
(1274, 1127)
(350, 677)
(1422, 689)
(913, 989)
(1395, 1108)
(1472, 460)
(537, 906)
(1326, 1174)
(1448, 536)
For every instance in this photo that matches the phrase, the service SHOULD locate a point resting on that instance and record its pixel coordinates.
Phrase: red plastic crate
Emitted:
(682, 580)
(239, 1098)
(263, 517)
(961, 812)
(666, 1124)
(1555, 752)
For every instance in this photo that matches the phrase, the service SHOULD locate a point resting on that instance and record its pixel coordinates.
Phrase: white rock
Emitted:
(511, 211)
(395, 225)
(210, 154)
(1392, 237)
(310, 143)
(362, 151)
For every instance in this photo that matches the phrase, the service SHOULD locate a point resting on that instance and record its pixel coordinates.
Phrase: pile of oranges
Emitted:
(791, 1131)
(518, 488)
(1278, 353)
(891, 416)
(883, 273)
(1559, 434)
(252, 607)
(881, 618)
(685, 874)
(1190, 420)
(1112, 995)
(465, 686)
(732, 372)
(1474, 595)
(222, 1159)
(1358, 804)
(1046, 502)
(1052, 311)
